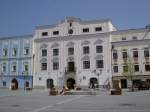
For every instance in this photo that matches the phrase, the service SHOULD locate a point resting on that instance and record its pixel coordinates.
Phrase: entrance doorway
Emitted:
(71, 83)
(93, 83)
(71, 67)
(123, 83)
(14, 84)
(26, 84)
(50, 83)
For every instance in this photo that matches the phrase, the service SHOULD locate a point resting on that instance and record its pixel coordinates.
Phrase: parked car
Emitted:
(143, 85)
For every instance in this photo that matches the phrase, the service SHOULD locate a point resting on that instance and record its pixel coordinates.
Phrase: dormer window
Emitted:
(85, 30)
(98, 29)
(55, 32)
(44, 33)
(134, 38)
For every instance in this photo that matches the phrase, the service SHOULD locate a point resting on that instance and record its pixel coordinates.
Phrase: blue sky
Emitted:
(19, 17)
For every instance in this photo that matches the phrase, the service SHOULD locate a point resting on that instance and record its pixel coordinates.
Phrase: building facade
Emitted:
(131, 46)
(16, 62)
(75, 53)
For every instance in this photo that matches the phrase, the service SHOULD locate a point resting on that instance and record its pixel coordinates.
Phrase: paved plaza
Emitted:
(39, 101)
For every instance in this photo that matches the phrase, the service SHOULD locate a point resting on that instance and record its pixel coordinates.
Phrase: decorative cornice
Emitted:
(73, 37)
(132, 42)
(17, 37)
(54, 45)
(127, 31)
(20, 58)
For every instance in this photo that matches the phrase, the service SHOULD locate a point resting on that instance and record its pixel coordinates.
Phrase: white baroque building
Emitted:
(73, 53)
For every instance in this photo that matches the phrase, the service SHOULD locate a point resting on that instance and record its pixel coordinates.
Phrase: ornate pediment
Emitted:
(99, 57)
(55, 59)
(85, 43)
(85, 58)
(54, 45)
(70, 58)
(43, 46)
(98, 42)
(43, 60)
(70, 44)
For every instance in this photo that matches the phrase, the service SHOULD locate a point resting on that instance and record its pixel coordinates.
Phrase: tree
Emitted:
(128, 70)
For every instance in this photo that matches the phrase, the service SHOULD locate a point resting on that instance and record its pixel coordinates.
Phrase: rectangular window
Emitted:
(71, 51)
(115, 68)
(147, 67)
(13, 68)
(26, 67)
(125, 68)
(124, 55)
(55, 52)
(115, 54)
(99, 64)
(123, 38)
(4, 68)
(146, 52)
(85, 30)
(135, 54)
(43, 66)
(136, 68)
(86, 50)
(55, 65)
(26, 51)
(14, 52)
(99, 49)
(86, 64)
(44, 52)
(55, 32)
(44, 33)
(98, 29)
(5, 52)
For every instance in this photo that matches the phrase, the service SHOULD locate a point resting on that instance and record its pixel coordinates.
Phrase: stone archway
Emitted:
(14, 84)
(50, 83)
(71, 83)
(93, 82)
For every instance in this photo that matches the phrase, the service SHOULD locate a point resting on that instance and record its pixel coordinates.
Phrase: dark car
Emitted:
(143, 85)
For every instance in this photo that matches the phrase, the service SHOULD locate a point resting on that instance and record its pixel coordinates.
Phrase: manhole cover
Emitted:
(127, 104)
(15, 105)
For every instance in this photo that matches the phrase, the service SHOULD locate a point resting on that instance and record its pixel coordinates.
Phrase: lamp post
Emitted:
(1, 79)
(111, 56)
(98, 74)
(33, 57)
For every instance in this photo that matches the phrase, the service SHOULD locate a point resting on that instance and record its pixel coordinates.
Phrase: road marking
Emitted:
(59, 103)
(99, 110)
(68, 100)
(43, 108)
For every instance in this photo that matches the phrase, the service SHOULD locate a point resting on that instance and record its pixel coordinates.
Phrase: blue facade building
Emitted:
(16, 62)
